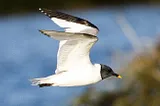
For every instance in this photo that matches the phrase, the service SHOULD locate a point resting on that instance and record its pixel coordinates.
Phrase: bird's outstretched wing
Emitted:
(75, 51)
(70, 23)
(75, 42)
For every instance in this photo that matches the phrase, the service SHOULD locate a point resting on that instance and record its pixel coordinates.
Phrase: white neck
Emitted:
(97, 69)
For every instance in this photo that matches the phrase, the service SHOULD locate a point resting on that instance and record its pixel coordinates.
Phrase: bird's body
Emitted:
(76, 77)
(74, 67)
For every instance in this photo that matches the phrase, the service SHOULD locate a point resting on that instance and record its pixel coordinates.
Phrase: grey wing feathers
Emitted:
(59, 35)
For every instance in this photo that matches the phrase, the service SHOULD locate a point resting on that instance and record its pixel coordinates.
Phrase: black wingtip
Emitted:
(40, 31)
(45, 11)
(39, 9)
(43, 32)
(67, 17)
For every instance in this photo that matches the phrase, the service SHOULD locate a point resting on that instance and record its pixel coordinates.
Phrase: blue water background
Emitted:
(25, 53)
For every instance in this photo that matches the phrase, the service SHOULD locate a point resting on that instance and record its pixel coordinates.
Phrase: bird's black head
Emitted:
(106, 72)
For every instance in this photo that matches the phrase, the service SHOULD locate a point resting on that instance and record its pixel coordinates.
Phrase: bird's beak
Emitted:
(117, 75)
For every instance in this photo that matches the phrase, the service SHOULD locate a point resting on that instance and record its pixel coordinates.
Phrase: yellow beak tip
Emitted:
(119, 77)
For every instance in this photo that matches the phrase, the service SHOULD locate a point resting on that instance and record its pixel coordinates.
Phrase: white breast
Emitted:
(78, 78)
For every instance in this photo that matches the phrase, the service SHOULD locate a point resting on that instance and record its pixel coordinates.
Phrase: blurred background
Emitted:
(129, 42)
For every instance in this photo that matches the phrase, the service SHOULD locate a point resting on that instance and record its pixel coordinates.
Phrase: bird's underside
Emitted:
(73, 54)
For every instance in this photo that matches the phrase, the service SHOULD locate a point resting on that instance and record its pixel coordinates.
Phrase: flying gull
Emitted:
(74, 67)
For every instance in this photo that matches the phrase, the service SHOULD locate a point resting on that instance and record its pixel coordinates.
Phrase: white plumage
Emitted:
(74, 67)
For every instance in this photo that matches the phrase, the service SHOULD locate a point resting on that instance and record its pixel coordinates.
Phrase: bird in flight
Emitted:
(74, 67)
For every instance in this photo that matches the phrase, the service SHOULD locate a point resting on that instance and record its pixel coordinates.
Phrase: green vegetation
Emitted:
(141, 84)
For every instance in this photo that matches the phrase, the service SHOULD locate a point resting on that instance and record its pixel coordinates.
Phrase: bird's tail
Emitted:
(41, 82)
